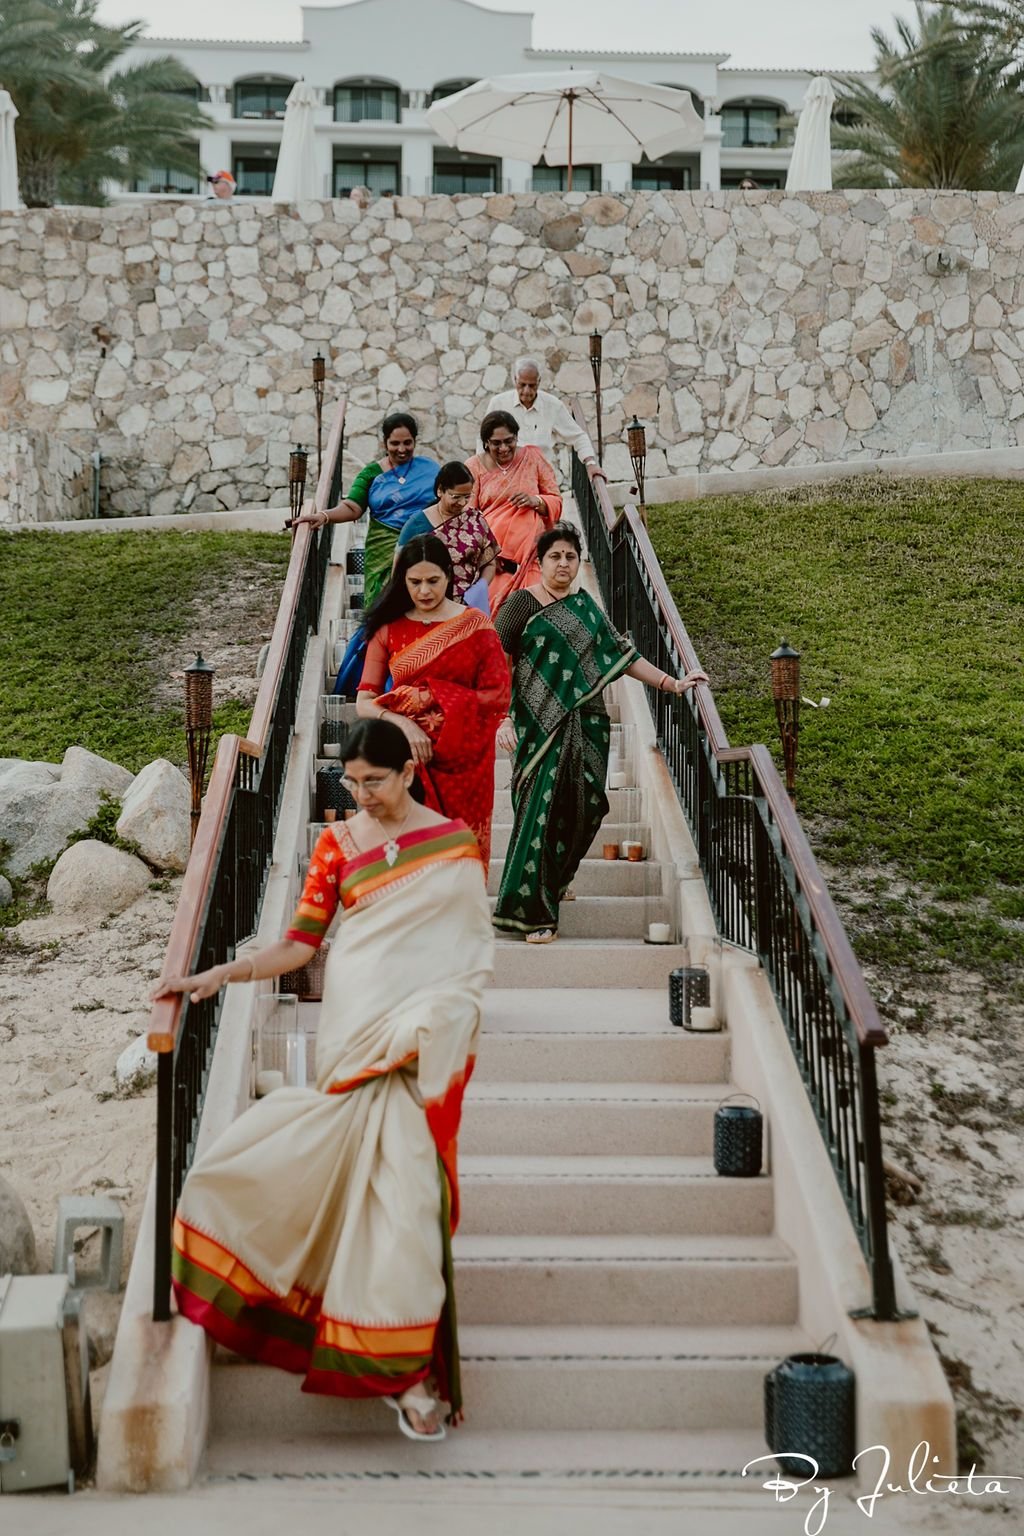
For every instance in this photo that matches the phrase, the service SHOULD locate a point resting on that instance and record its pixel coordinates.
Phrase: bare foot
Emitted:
(422, 1423)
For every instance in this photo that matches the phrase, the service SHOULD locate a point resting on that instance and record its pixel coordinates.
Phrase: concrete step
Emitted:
(609, 832)
(599, 877)
(517, 1380)
(609, 917)
(624, 805)
(673, 1196)
(603, 1058)
(584, 1010)
(589, 1119)
(586, 963)
(306, 1444)
(637, 1281)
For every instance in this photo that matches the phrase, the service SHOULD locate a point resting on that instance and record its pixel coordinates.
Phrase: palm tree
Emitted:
(946, 112)
(82, 121)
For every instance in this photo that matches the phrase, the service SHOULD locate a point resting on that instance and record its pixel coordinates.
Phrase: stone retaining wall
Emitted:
(42, 478)
(745, 329)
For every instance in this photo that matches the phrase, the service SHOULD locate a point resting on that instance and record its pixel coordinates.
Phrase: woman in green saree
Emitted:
(564, 654)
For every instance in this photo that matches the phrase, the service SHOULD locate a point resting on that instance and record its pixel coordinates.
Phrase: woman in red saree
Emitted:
(518, 494)
(449, 683)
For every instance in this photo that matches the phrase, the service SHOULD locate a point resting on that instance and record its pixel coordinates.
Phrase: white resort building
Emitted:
(377, 65)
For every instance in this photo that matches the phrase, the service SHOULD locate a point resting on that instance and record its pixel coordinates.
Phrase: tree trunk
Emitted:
(37, 176)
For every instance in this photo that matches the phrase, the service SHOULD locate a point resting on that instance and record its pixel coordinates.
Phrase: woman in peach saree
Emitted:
(315, 1233)
(518, 494)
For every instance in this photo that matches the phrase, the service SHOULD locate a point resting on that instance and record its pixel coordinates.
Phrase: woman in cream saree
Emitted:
(315, 1234)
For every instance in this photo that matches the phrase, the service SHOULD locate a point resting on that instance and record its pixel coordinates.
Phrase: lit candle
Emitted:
(266, 1082)
(616, 781)
(659, 933)
(332, 749)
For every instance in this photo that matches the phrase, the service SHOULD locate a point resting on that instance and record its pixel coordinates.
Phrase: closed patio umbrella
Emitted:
(296, 179)
(810, 169)
(1020, 181)
(9, 196)
(575, 117)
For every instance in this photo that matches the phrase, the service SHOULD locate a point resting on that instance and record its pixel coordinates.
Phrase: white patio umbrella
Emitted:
(576, 117)
(810, 169)
(296, 179)
(9, 195)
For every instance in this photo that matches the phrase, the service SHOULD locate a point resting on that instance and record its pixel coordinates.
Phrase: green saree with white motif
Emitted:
(565, 654)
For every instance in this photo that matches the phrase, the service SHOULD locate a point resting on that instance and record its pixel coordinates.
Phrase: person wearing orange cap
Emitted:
(222, 184)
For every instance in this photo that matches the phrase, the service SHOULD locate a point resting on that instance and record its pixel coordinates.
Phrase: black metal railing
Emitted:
(222, 893)
(764, 885)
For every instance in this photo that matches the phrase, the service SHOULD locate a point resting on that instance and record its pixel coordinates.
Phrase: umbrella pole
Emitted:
(568, 185)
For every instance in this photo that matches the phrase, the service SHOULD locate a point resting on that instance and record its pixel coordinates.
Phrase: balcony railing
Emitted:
(766, 890)
(222, 893)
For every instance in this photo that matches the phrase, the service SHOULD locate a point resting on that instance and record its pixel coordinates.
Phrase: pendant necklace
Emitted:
(391, 849)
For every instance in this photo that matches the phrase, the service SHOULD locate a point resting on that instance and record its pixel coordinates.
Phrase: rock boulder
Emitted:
(86, 770)
(17, 1240)
(94, 880)
(37, 820)
(155, 815)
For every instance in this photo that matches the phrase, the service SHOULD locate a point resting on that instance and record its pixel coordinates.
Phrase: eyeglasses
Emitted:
(367, 786)
(502, 442)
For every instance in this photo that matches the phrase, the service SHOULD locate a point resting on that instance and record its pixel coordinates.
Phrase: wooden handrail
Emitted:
(843, 962)
(165, 1016)
(255, 740)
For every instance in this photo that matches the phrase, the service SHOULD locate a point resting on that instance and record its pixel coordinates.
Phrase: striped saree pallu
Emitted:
(314, 1234)
(569, 654)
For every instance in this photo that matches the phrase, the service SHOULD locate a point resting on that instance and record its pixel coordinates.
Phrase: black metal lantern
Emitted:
(319, 379)
(198, 731)
(739, 1130)
(689, 987)
(786, 694)
(596, 359)
(810, 1410)
(298, 465)
(636, 437)
(331, 793)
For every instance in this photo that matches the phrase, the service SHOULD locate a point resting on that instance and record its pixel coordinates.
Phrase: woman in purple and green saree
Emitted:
(564, 654)
(315, 1234)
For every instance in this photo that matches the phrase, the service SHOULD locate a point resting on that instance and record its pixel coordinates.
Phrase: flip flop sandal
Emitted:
(422, 1404)
(542, 936)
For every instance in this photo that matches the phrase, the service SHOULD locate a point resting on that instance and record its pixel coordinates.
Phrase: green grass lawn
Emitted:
(906, 601)
(91, 624)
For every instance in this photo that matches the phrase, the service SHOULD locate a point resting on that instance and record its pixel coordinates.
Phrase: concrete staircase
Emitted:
(619, 1303)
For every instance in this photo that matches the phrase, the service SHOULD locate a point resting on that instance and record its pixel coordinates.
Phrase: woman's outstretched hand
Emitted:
(684, 684)
(505, 740)
(203, 984)
(420, 744)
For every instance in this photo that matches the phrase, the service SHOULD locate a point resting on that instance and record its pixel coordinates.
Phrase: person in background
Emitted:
(315, 1233)
(222, 185)
(564, 653)
(517, 492)
(449, 683)
(543, 419)
(361, 197)
(393, 487)
(463, 531)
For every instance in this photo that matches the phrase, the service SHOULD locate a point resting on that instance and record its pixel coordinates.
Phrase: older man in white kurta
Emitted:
(543, 419)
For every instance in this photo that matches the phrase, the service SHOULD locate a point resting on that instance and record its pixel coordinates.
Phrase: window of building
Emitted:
(448, 88)
(367, 101)
(195, 93)
(261, 98)
(466, 174)
(662, 178)
(751, 125)
(160, 181)
(555, 178)
(253, 167)
(381, 176)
